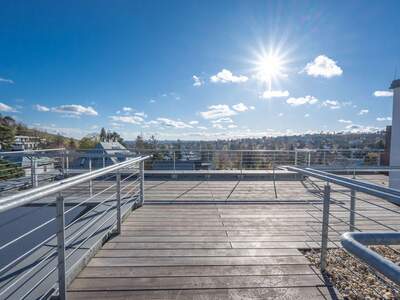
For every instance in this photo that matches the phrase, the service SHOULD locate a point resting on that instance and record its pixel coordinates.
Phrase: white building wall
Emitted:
(394, 176)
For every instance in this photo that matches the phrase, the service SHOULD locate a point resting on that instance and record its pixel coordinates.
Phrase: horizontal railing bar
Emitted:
(350, 183)
(30, 151)
(40, 192)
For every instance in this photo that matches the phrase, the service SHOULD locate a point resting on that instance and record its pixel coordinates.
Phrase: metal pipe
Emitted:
(118, 196)
(62, 291)
(31, 195)
(356, 243)
(90, 181)
(325, 226)
(368, 188)
(141, 166)
(352, 210)
(34, 177)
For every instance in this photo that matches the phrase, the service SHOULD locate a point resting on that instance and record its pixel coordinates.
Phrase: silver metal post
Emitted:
(325, 226)
(66, 163)
(352, 209)
(90, 181)
(61, 247)
(104, 161)
(173, 155)
(141, 174)
(241, 162)
(34, 177)
(309, 158)
(295, 157)
(119, 215)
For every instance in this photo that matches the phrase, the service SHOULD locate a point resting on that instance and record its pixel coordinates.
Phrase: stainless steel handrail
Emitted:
(31, 195)
(368, 188)
(24, 152)
(356, 243)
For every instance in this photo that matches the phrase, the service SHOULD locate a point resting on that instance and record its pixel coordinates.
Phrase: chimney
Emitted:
(394, 176)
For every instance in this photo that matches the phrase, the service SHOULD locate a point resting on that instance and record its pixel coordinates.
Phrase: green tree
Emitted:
(103, 135)
(87, 143)
(7, 135)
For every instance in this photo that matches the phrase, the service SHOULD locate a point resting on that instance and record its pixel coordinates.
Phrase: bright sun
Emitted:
(270, 66)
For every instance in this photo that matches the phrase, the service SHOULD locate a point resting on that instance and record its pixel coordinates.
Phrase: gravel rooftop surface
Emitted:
(353, 279)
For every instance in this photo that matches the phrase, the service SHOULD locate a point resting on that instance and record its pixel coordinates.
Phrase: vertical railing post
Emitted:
(66, 162)
(241, 162)
(141, 174)
(352, 209)
(324, 162)
(295, 157)
(61, 247)
(90, 181)
(34, 176)
(325, 226)
(174, 159)
(104, 160)
(309, 158)
(119, 214)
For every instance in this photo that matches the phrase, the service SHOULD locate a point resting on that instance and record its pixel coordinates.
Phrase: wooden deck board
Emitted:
(203, 249)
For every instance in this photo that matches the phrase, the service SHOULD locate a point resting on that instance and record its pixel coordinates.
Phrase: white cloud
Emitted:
(223, 120)
(384, 119)
(172, 123)
(152, 101)
(226, 76)
(306, 115)
(332, 104)
(301, 100)
(194, 122)
(355, 128)
(41, 108)
(5, 80)
(197, 81)
(140, 114)
(218, 126)
(323, 66)
(363, 112)
(240, 107)
(280, 115)
(218, 111)
(202, 128)
(75, 109)
(232, 126)
(128, 119)
(383, 93)
(6, 108)
(275, 94)
(127, 108)
(252, 107)
(345, 121)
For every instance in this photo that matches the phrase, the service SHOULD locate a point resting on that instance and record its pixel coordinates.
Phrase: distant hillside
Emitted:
(9, 128)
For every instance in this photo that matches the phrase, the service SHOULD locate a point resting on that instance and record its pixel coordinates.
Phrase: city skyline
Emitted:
(199, 69)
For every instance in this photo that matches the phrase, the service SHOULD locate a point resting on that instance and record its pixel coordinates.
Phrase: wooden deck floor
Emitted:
(171, 249)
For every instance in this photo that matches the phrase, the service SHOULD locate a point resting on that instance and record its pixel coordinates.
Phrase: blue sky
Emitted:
(199, 69)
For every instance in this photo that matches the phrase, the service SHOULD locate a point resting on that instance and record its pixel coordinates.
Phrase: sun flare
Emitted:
(270, 66)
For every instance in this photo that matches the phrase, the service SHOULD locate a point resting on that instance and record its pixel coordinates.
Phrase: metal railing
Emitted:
(349, 205)
(40, 258)
(191, 159)
(30, 168)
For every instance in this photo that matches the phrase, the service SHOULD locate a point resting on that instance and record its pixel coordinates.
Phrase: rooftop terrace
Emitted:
(197, 237)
